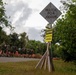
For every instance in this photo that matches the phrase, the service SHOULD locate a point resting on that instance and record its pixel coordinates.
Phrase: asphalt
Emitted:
(14, 59)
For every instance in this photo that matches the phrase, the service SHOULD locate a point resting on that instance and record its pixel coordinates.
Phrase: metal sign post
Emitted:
(50, 13)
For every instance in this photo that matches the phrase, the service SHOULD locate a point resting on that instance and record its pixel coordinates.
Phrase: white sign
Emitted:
(50, 13)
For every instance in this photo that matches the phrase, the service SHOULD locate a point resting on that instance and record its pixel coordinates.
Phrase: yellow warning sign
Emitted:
(48, 35)
(48, 39)
(48, 31)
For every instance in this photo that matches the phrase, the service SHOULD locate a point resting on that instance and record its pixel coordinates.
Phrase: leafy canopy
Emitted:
(65, 33)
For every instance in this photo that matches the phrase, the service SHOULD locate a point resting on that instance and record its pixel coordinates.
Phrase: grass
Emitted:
(28, 68)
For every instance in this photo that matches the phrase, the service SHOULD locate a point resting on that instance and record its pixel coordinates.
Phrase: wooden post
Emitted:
(46, 61)
(41, 60)
(48, 54)
(51, 60)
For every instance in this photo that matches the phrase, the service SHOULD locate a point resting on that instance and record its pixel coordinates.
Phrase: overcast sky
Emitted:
(25, 16)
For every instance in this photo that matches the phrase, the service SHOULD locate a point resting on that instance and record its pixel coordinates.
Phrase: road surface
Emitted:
(14, 59)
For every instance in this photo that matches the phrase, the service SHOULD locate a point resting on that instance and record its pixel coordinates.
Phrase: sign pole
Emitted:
(45, 60)
(51, 60)
(50, 52)
(50, 13)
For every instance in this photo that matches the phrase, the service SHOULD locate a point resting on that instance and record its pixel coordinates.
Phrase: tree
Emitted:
(3, 37)
(3, 18)
(23, 39)
(36, 46)
(65, 32)
(3, 23)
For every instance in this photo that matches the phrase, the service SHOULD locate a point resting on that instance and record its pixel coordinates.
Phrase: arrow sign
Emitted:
(48, 39)
(48, 35)
(48, 31)
(50, 13)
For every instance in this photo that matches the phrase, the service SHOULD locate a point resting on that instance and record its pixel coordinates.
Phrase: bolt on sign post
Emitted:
(50, 13)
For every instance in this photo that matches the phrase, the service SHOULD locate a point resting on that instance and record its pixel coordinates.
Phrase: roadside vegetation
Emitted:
(28, 68)
(64, 36)
(19, 45)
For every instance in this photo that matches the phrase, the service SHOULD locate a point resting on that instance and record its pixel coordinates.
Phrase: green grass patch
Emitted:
(28, 68)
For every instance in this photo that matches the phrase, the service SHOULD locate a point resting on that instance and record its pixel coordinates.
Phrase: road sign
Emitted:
(50, 13)
(48, 31)
(48, 35)
(48, 39)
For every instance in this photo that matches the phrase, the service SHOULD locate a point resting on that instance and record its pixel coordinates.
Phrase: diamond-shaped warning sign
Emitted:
(50, 13)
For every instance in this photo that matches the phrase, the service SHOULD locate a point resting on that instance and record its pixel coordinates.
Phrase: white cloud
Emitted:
(25, 15)
(34, 34)
(18, 11)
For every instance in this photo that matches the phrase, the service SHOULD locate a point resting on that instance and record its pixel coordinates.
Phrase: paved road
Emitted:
(13, 59)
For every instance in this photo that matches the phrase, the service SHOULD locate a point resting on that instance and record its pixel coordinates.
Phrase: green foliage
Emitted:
(13, 38)
(21, 43)
(3, 37)
(3, 17)
(65, 34)
(37, 46)
(74, 0)
(23, 39)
